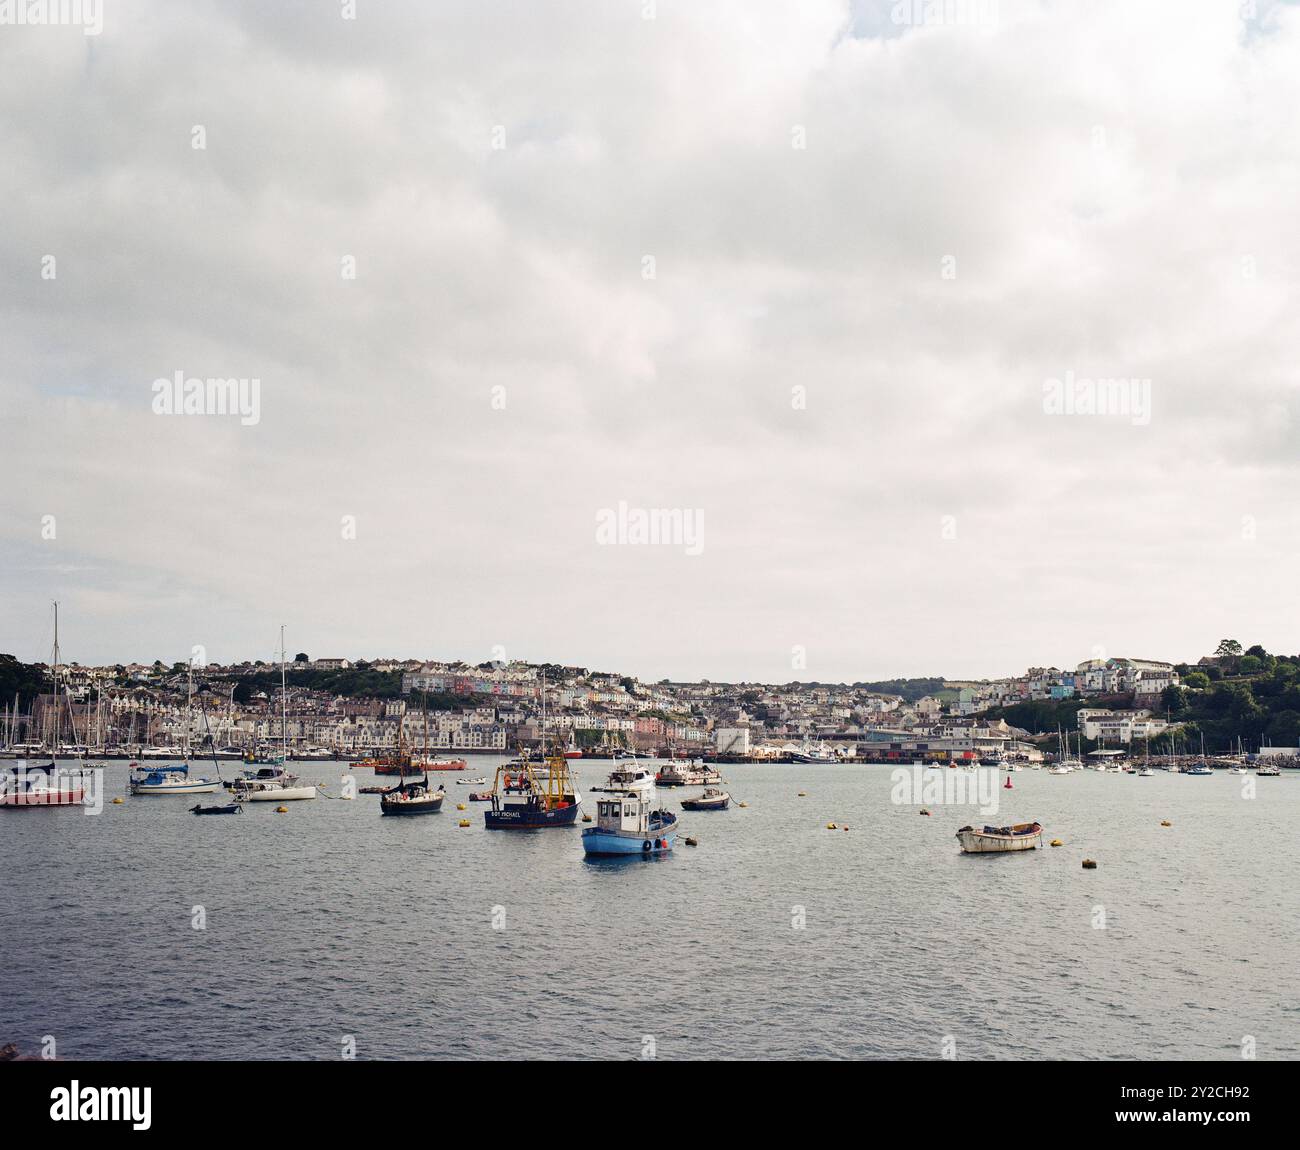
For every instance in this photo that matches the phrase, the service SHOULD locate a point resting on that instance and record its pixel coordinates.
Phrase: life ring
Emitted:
(645, 846)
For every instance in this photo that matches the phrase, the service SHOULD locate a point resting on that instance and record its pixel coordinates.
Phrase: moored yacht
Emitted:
(173, 780)
(272, 783)
(411, 799)
(27, 785)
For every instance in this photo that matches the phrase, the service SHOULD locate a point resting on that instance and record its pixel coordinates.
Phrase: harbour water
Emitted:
(774, 938)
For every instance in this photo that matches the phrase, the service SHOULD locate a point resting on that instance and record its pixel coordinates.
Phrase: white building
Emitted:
(1119, 726)
(732, 740)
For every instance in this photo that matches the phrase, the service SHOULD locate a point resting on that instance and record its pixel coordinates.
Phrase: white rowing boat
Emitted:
(994, 840)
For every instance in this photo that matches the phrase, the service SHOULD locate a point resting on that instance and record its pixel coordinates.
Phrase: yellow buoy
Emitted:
(460, 806)
(1165, 823)
(119, 799)
(1056, 843)
(463, 823)
(831, 827)
(281, 810)
(742, 804)
(586, 818)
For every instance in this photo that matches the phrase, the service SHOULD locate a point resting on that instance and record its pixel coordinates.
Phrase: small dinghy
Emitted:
(480, 796)
(993, 840)
(711, 800)
(479, 782)
(231, 809)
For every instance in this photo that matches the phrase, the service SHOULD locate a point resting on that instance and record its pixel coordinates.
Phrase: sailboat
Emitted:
(414, 798)
(173, 780)
(1065, 764)
(411, 798)
(44, 784)
(274, 784)
(1201, 767)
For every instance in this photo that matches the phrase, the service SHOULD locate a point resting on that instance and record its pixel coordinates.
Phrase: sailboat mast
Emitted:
(284, 704)
(189, 696)
(54, 754)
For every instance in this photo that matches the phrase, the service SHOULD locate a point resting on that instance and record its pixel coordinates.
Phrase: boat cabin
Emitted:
(623, 812)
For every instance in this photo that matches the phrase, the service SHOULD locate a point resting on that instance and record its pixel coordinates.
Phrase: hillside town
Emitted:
(339, 707)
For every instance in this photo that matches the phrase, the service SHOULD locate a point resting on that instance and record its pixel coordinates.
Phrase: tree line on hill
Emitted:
(1251, 696)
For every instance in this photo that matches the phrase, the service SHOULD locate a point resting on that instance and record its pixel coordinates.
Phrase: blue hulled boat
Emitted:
(627, 822)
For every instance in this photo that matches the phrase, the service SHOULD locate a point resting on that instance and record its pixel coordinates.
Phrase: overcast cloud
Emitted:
(1115, 185)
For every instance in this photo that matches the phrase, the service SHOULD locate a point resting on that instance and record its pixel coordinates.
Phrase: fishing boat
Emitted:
(626, 821)
(173, 780)
(528, 795)
(28, 785)
(411, 799)
(480, 796)
(1146, 773)
(1199, 769)
(813, 755)
(997, 840)
(1269, 771)
(711, 800)
(272, 783)
(399, 763)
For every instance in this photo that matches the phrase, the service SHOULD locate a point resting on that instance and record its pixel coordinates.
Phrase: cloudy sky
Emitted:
(803, 272)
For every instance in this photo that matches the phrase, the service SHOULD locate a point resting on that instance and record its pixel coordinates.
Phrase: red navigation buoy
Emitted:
(1007, 785)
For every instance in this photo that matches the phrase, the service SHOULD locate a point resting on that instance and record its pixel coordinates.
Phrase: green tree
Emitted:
(1197, 680)
(1228, 648)
(1250, 665)
(1173, 699)
(1284, 729)
(301, 657)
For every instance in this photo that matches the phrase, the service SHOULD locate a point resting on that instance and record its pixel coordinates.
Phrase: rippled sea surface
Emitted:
(774, 938)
